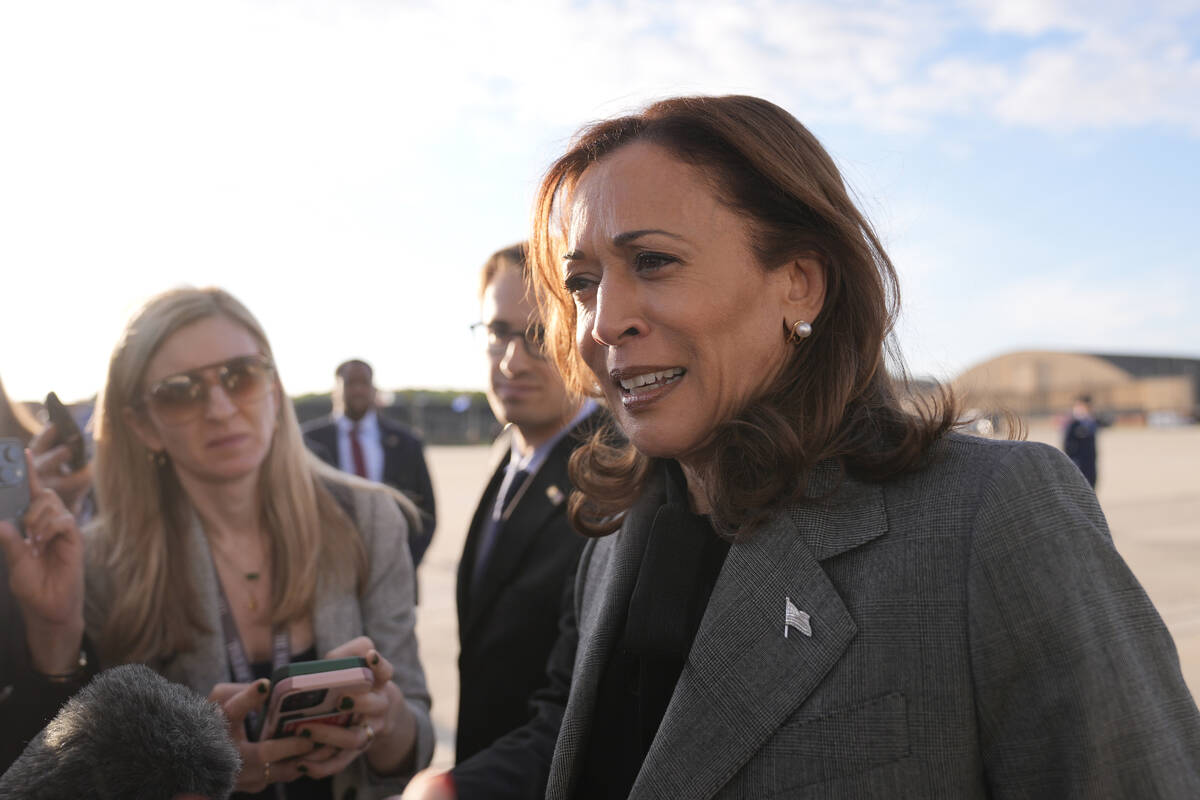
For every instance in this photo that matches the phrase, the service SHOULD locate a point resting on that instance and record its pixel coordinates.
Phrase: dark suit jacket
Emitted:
(508, 622)
(973, 634)
(403, 468)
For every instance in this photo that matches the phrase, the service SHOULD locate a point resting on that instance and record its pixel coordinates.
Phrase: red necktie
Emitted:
(356, 452)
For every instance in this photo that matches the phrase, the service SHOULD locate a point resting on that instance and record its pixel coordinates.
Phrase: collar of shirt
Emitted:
(368, 425)
(531, 462)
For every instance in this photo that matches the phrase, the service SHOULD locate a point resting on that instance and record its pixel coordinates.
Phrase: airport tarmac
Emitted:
(1149, 488)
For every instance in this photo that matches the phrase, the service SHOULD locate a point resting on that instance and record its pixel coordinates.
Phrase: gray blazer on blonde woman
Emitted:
(384, 612)
(968, 631)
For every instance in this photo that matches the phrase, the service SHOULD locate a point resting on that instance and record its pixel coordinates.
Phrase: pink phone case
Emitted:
(337, 684)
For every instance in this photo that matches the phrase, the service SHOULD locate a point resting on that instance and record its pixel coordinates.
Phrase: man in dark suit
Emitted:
(358, 440)
(1079, 438)
(521, 552)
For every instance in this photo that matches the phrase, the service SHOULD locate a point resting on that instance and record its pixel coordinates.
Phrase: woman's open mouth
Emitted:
(641, 387)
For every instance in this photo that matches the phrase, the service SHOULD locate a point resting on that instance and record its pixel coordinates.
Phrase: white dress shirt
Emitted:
(370, 440)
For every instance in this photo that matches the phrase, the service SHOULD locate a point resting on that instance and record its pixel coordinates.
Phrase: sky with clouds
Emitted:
(346, 167)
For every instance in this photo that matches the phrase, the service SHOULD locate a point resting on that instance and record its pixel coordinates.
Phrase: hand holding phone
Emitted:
(384, 729)
(311, 692)
(45, 562)
(66, 431)
(263, 763)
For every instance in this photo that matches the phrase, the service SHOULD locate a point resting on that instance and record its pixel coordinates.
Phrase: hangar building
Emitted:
(1123, 387)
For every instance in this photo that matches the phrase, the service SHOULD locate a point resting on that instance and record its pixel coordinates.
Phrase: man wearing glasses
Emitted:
(520, 553)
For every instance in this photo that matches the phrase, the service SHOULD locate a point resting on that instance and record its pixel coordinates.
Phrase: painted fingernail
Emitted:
(306, 733)
(262, 687)
(302, 768)
(347, 703)
(375, 660)
(318, 745)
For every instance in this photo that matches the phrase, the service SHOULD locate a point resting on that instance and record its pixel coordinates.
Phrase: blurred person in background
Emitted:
(50, 457)
(357, 439)
(128, 735)
(1079, 438)
(222, 550)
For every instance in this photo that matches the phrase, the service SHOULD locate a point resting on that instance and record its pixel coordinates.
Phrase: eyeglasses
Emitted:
(184, 397)
(499, 334)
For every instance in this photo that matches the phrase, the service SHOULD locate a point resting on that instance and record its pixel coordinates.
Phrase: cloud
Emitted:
(1069, 310)
(235, 141)
(1104, 82)
(1115, 63)
(1055, 64)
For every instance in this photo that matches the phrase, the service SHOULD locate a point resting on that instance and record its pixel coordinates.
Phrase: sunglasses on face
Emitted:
(497, 335)
(181, 398)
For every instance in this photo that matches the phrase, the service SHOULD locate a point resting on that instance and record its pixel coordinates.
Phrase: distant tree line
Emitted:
(438, 417)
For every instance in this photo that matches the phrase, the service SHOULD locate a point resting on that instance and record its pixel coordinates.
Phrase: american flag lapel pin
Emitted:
(554, 495)
(795, 618)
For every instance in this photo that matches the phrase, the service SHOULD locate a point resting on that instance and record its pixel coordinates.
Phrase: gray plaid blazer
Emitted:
(973, 634)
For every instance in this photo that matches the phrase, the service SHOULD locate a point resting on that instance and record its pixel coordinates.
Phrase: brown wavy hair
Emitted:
(835, 399)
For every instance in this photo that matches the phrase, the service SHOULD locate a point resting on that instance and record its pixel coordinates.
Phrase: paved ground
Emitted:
(1149, 489)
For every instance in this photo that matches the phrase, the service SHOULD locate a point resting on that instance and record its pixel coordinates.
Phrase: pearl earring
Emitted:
(801, 330)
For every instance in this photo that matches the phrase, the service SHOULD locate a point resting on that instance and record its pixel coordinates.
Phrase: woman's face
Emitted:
(676, 319)
(228, 439)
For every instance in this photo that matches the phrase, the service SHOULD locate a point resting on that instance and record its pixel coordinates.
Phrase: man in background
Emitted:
(520, 554)
(356, 439)
(1079, 438)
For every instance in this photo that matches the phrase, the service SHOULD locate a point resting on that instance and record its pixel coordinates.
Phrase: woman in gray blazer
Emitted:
(223, 550)
(805, 584)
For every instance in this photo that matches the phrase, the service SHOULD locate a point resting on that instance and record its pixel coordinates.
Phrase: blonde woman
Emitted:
(222, 550)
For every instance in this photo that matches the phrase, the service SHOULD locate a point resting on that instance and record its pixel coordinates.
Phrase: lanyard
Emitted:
(239, 663)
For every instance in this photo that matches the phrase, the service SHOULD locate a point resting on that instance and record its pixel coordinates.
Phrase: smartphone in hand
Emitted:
(311, 691)
(14, 482)
(66, 431)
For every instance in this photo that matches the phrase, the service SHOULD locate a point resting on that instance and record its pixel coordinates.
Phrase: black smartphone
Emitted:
(14, 482)
(66, 431)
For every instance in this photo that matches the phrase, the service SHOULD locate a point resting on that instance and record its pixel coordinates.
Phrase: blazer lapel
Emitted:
(394, 455)
(207, 663)
(325, 437)
(609, 569)
(533, 510)
(466, 564)
(744, 676)
(545, 497)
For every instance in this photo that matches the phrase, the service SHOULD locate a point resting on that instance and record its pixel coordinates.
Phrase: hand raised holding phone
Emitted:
(45, 562)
